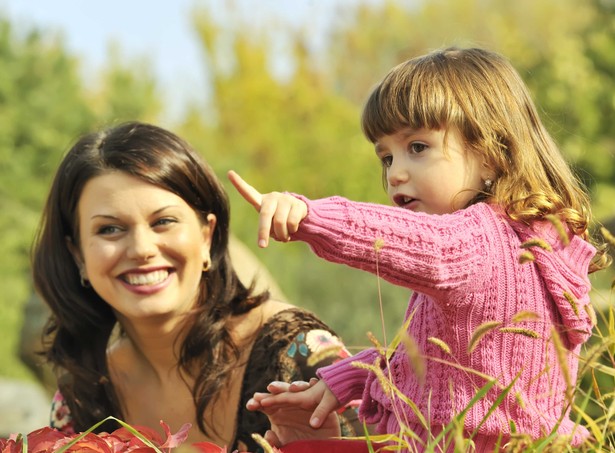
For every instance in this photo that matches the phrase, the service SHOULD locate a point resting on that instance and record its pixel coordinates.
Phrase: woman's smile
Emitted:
(141, 247)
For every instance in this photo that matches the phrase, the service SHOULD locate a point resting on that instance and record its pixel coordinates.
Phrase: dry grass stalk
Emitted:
(260, 440)
(561, 355)
(414, 356)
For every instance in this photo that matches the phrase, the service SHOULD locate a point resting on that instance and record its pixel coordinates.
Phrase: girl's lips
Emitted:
(404, 201)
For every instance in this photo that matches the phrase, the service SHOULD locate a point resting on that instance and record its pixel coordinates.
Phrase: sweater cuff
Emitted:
(346, 381)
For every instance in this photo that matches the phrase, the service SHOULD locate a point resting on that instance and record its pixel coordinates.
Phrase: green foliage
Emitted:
(44, 106)
(300, 132)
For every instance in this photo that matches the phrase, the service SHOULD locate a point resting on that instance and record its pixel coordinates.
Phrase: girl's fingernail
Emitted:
(314, 421)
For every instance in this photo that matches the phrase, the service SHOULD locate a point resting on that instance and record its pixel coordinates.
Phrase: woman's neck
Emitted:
(151, 346)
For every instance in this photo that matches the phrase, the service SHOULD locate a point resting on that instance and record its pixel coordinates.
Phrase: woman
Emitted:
(150, 321)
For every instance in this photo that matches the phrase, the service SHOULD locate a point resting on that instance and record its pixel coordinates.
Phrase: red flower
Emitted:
(208, 447)
(10, 446)
(122, 440)
(43, 440)
(90, 443)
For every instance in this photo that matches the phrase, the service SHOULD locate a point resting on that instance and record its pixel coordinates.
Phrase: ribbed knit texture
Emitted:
(464, 269)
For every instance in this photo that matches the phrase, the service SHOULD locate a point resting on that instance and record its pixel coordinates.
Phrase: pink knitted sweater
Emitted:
(464, 269)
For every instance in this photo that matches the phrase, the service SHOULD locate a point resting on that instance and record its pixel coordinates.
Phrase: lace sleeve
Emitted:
(313, 349)
(60, 417)
(291, 346)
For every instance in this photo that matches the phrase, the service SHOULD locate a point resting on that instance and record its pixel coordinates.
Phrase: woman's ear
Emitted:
(77, 257)
(209, 226)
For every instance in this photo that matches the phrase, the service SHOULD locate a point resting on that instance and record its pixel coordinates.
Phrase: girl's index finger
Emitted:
(249, 193)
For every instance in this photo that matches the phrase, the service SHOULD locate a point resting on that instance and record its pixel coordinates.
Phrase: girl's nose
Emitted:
(143, 245)
(397, 173)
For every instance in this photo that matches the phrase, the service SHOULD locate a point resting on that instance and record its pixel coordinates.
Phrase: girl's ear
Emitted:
(487, 173)
(77, 257)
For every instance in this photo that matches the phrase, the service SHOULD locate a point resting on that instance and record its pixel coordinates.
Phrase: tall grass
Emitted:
(590, 395)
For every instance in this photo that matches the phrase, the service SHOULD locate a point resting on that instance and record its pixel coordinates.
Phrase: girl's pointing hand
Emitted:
(280, 213)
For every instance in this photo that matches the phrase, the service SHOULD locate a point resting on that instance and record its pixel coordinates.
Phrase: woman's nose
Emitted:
(143, 244)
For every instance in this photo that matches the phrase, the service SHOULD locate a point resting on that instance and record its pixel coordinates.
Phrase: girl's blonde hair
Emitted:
(480, 94)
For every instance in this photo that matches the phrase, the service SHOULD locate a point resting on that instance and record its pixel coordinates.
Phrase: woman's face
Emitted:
(141, 247)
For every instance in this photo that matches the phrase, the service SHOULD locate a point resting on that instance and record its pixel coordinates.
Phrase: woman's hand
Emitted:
(297, 411)
(280, 214)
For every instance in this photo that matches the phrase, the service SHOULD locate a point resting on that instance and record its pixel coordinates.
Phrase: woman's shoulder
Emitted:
(60, 417)
(287, 319)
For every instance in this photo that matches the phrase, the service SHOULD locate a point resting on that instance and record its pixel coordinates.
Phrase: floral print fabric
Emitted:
(291, 346)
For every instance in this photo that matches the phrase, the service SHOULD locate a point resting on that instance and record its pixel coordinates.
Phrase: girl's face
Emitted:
(141, 247)
(424, 174)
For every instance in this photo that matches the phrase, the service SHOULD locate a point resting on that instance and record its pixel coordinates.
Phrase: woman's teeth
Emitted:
(151, 278)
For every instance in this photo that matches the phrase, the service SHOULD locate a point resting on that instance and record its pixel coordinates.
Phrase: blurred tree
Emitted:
(300, 132)
(44, 106)
(41, 110)
(562, 48)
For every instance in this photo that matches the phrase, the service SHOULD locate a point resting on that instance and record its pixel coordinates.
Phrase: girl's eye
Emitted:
(417, 148)
(386, 161)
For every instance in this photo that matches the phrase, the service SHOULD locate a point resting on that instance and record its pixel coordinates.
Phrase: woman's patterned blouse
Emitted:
(290, 346)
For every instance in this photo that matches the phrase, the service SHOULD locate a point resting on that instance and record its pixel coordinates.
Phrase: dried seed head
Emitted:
(525, 315)
(372, 338)
(559, 227)
(441, 344)
(480, 332)
(521, 331)
(526, 257)
(591, 313)
(537, 242)
(608, 237)
(325, 353)
(572, 301)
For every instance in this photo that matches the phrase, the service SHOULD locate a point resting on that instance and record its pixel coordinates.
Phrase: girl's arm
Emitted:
(427, 253)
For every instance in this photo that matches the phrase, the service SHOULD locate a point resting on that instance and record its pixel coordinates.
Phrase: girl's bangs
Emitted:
(412, 99)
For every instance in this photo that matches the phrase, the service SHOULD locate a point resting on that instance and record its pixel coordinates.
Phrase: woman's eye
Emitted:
(417, 148)
(164, 222)
(386, 161)
(108, 229)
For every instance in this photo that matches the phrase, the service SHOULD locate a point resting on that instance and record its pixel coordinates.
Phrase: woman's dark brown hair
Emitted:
(79, 330)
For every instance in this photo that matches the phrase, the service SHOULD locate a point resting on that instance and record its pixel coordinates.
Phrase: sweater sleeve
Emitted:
(424, 252)
(344, 379)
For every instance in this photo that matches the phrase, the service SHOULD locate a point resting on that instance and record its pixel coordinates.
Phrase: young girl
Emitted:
(489, 227)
